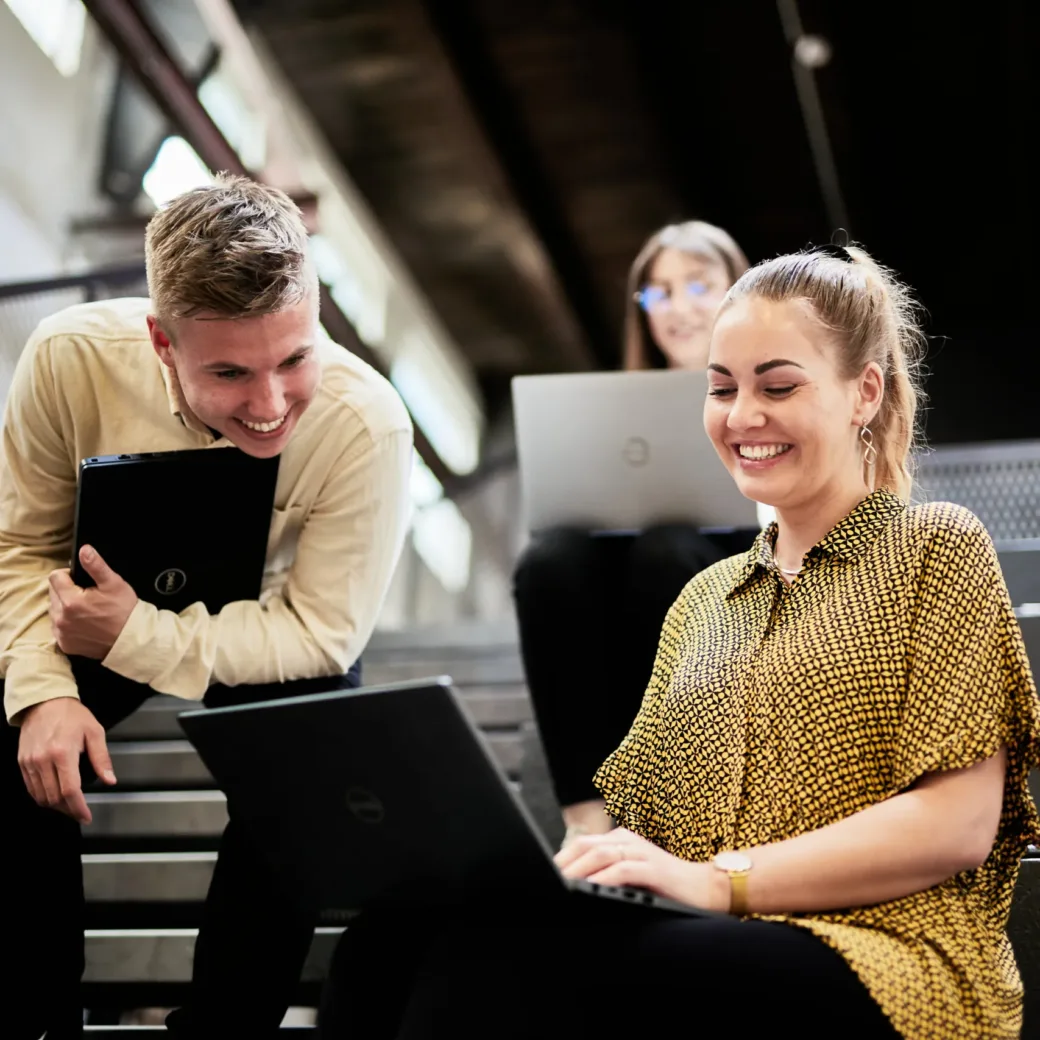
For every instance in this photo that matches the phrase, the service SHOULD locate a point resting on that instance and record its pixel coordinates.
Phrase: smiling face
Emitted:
(783, 418)
(682, 293)
(249, 379)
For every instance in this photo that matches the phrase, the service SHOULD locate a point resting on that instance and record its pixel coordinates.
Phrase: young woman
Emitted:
(611, 593)
(833, 748)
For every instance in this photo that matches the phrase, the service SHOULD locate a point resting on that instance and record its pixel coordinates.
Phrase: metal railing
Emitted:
(23, 305)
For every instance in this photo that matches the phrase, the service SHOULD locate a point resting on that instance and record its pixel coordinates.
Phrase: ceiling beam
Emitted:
(145, 54)
(486, 122)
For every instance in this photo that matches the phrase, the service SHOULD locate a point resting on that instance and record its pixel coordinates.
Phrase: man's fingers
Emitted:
(71, 787)
(48, 782)
(97, 752)
(61, 584)
(75, 805)
(32, 785)
(95, 566)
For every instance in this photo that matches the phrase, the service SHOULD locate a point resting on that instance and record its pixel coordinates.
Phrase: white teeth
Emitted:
(762, 451)
(263, 427)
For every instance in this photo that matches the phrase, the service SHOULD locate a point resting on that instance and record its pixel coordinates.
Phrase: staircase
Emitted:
(150, 851)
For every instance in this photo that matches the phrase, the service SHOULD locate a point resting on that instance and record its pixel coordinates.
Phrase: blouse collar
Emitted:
(847, 540)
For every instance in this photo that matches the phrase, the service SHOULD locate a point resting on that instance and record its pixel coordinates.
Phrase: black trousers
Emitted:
(254, 935)
(590, 610)
(590, 969)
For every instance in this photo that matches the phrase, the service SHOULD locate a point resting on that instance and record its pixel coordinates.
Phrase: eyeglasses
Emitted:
(657, 300)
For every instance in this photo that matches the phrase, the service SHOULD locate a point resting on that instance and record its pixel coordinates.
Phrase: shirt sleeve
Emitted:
(321, 619)
(970, 689)
(37, 507)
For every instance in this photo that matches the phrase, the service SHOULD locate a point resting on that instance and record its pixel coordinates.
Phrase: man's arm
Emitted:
(37, 505)
(319, 623)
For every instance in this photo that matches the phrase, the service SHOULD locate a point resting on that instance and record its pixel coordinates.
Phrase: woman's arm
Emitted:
(946, 823)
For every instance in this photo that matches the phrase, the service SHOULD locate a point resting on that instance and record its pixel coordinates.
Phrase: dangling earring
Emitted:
(869, 454)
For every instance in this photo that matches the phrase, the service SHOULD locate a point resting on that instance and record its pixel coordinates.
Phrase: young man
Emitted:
(228, 351)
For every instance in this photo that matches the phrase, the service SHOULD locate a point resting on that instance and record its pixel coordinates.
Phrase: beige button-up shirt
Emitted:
(89, 383)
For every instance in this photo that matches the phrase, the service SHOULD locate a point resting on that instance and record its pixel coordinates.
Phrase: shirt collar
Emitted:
(847, 540)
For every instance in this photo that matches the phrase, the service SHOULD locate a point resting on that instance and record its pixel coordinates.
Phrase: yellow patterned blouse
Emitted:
(774, 710)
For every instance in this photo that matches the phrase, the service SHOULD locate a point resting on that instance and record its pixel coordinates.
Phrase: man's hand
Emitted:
(52, 737)
(621, 857)
(87, 622)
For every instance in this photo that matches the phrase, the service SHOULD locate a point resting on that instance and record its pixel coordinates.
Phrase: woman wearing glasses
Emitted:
(610, 594)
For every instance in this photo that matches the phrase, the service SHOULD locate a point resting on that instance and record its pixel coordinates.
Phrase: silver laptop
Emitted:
(620, 451)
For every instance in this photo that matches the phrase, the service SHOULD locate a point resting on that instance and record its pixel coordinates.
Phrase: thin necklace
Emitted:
(793, 574)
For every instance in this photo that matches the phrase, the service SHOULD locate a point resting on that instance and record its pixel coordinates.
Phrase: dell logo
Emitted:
(365, 805)
(171, 581)
(636, 451)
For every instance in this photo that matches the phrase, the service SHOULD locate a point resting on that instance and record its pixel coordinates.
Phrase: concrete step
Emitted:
(1020, 562)
(1029, 622)
(469, 671)
(176, 763)
(165, 954)
(460, 638)
(158, 763)
(147, 877)
(502, 705)
(157, 814)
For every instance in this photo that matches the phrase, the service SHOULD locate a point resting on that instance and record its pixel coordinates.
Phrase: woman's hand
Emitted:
(621, 857)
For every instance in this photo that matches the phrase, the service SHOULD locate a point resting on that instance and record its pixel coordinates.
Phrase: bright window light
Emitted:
(441, 536)
(57, 27)
(426, 489)
(243, 129)
(443, 539)
(176, 169)
(366, 311)
(452, 430)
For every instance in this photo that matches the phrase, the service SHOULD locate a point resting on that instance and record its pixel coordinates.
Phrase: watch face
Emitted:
(733, 861)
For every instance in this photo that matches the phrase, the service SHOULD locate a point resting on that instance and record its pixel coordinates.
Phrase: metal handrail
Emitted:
(126, 275)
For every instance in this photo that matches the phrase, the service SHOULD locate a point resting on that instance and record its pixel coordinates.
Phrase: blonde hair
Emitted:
(872, 317)
(234, 249)
(696, 237)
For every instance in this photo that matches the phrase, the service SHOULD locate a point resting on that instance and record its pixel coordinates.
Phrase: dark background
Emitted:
(518, 153)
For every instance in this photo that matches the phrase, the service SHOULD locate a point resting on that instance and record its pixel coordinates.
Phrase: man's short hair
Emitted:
(234, 249)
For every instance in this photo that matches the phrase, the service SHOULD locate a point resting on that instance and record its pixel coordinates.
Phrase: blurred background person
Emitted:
(609, 592)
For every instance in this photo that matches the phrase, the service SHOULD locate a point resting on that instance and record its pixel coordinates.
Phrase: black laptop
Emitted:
(385, 794)
(181, 527)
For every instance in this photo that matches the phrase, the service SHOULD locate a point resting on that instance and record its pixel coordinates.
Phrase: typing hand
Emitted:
(52, 736)
(621, 857)
(87, 622)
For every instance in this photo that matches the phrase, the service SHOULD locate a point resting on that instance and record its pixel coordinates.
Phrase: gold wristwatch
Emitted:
(737, 865)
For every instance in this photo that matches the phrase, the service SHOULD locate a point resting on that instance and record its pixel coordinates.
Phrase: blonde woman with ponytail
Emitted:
(831, 757)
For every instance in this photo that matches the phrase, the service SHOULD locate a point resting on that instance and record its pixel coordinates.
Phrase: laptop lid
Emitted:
(621, 451)
(180, 526)
(383, 793)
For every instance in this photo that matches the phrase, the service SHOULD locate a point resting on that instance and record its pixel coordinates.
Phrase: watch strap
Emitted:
(738, 901)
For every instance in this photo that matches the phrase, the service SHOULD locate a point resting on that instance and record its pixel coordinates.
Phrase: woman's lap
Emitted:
(573, 974)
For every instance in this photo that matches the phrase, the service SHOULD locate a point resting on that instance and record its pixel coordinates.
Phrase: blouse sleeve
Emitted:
(969, 687)
(630, 761)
